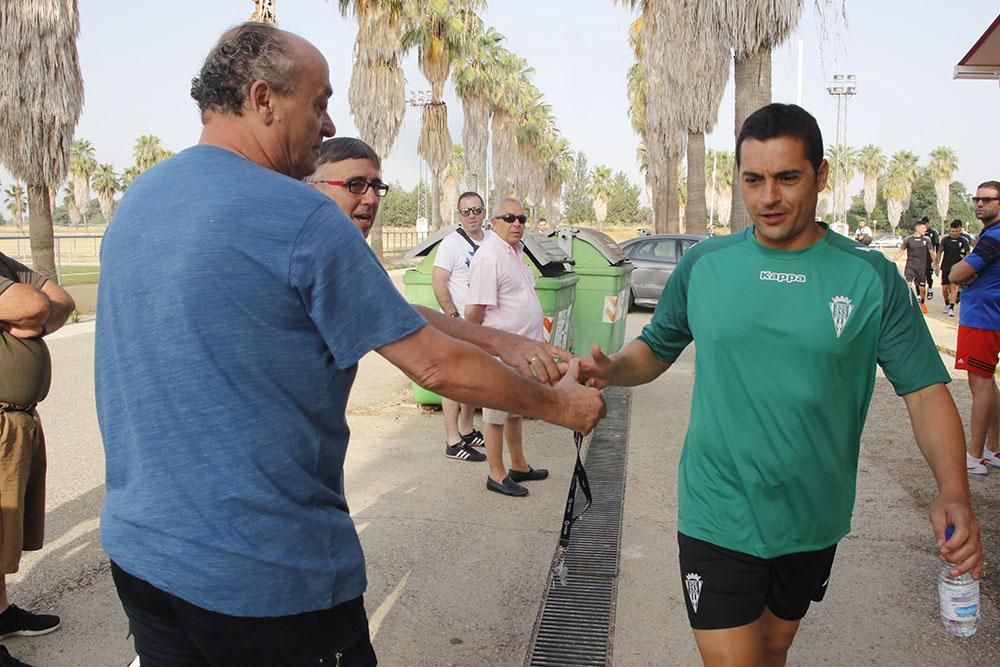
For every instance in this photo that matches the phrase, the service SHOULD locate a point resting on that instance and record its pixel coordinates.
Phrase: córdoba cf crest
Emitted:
(840, 308)
(693, 582)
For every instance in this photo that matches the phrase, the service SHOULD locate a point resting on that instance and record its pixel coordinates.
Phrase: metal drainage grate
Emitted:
(574, 625)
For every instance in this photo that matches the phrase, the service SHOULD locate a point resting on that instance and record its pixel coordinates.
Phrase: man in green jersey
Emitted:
(789, 320)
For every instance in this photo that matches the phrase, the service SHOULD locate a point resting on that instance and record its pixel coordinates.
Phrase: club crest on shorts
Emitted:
(693, 582)
(841, 309)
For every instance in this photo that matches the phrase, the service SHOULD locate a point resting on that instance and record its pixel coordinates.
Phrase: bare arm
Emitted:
(962, 273)
(23, 310)
(61, 304)
(938, 430)
(532, 358)
(463, 373)
(633, 365)
(439, 282)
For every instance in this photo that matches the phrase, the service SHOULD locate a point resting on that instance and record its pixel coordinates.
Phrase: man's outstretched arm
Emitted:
(937, 427)
(532, 358)
(464, 373)
(633, 365)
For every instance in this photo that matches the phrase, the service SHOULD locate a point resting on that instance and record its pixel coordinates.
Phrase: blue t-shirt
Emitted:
(234, 305)
(981, 299)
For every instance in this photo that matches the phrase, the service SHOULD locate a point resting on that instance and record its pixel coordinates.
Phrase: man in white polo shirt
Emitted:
(450, 281)
(502, 296)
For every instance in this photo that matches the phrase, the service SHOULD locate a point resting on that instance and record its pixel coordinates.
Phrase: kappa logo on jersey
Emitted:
(693, 583)
(779, 277)
(841, 308)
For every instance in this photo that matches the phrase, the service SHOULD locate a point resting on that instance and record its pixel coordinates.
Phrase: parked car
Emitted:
(654, 258)
(887, 241)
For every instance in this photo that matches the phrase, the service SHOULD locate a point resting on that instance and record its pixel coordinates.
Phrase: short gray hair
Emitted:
(505, 200)
(244, 54)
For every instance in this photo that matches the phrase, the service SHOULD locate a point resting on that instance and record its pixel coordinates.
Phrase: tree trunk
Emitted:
(43, 256)
(673, 198)
(752, 75)
(696, 212)
(375, 238)
(435, 202)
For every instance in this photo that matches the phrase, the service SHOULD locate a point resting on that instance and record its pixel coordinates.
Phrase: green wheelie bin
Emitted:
(555, 285)
(602, 291)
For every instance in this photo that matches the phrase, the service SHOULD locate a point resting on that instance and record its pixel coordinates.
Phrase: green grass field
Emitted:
(80, 274)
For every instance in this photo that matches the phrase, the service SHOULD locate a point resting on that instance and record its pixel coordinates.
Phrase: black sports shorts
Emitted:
(914, 274)
(727, 589)
(945, 270)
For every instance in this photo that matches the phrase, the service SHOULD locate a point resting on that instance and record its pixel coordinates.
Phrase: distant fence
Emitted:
(71, 250)
(75, 252)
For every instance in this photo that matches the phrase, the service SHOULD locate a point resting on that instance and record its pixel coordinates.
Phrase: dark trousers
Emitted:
(169, 632)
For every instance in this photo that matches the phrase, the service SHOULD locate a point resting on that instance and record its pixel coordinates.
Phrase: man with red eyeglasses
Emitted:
(349, 172)
(450, 281)
(979, 330)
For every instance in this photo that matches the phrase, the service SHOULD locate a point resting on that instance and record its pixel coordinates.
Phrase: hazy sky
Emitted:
(138, 59)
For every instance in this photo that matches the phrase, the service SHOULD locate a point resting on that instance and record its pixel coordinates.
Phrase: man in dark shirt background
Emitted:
(954, 248)
(919, 254)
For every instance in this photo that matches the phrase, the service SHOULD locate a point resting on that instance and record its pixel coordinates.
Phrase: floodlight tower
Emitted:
(843, 86)
(421, 99)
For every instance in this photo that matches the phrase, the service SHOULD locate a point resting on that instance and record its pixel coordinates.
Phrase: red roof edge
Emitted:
(986, 35)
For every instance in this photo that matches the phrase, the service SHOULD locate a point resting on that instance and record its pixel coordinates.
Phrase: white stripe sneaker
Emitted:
(975, 467)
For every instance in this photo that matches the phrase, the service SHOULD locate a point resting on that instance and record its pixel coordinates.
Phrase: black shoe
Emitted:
(507, 487)
(17, 621)
(7, 660)
(463, 452)
(475, 439)
(531, 475)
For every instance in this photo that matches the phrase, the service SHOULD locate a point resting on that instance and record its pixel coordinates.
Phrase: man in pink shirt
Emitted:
(502, 296)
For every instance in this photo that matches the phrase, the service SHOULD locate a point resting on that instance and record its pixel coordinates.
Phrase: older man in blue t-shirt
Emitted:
(979, 330)
(235, 303)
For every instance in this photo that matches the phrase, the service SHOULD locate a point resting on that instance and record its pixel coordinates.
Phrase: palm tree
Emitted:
(558, 168)
(896, 186)
(147, 151)
(943, 164)
(129, 174)
(601, 187)
(751, 28)
(41, 102)
(871, 162)
(842, 160)
(442, 32)
(512, 87)
(377, 93)
(451, 179)
(722, 177)
(69, 201)
(475, 76)
(81, 167)
(16, 202)
(905, 163)
(107, 183)
(697, 66)
(263, 12)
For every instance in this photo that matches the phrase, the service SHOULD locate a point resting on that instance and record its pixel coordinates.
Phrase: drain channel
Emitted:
(575, 622)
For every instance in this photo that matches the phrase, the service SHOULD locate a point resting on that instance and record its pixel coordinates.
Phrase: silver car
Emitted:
(654, 258)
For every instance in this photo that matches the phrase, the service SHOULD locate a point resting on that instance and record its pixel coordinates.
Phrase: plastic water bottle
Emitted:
(959, 599)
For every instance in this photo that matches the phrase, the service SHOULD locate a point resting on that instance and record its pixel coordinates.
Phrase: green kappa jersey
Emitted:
(786, 347)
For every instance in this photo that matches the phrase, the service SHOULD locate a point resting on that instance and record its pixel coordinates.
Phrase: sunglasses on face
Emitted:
(984, 200)
(510, 218)
(475, 210)
(359, 186)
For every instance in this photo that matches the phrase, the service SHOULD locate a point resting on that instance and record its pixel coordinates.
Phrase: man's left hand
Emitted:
(964, 550)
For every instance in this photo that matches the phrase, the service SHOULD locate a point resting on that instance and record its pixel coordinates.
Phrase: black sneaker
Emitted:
(475, 439)
(463, 452)
(17, 621)
(7, 660)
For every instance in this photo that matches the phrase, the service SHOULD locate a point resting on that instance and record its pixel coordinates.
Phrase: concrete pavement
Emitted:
(456, 574)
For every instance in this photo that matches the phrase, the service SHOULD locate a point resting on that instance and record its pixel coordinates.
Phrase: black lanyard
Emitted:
(579, 477)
